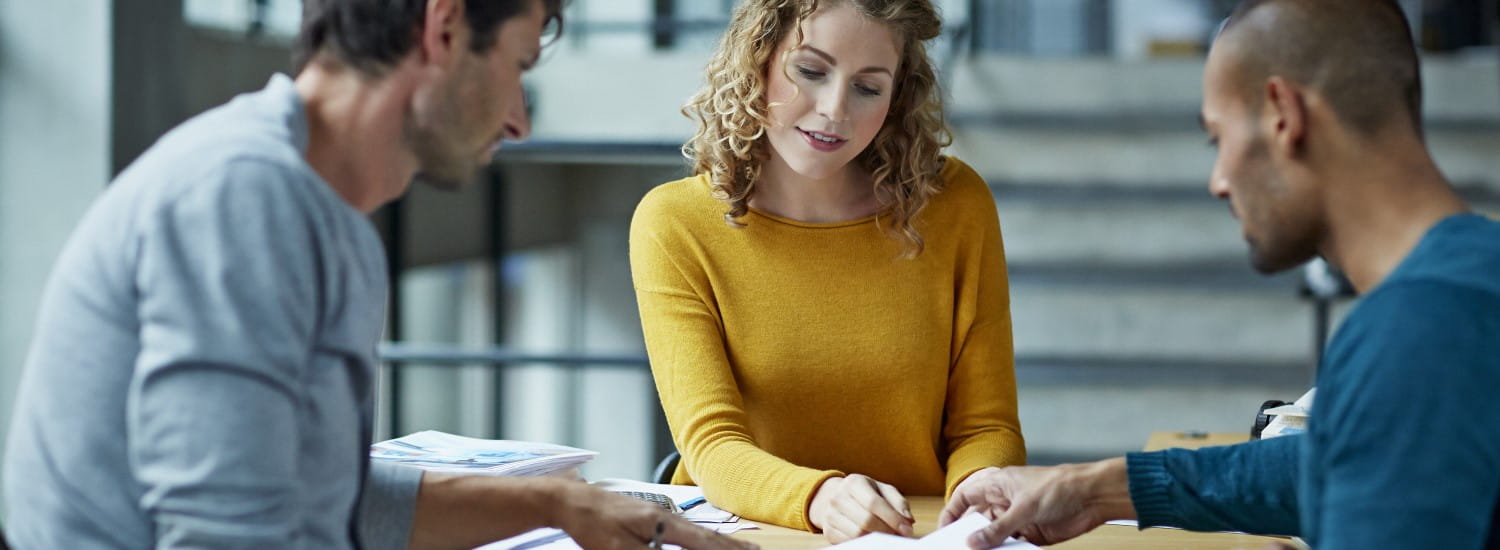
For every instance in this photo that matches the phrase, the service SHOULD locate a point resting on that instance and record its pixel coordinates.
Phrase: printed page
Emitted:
(954, 536)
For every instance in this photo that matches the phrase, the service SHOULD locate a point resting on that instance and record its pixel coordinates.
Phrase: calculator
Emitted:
(655, 498)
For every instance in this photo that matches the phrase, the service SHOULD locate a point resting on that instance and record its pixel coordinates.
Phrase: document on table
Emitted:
(954, 536)
(703, 515)
(436, 451)
(706, 515)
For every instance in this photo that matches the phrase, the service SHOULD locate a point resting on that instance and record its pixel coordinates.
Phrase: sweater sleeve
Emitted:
(1250, 487)
(224, 343)
(981, 427)
(1402, 437)
(699, 394)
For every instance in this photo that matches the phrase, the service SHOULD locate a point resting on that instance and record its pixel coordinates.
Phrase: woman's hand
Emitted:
(847, 507)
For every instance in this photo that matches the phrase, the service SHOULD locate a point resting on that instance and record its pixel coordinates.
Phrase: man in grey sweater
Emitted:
(203, 369)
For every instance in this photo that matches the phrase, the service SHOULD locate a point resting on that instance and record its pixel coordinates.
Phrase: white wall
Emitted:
(54, 151)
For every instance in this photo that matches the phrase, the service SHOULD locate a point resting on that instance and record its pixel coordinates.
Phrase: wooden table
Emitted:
(1192, 440)
(1106, 537)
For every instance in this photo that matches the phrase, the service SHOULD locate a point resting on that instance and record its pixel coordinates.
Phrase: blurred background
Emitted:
(513, 316)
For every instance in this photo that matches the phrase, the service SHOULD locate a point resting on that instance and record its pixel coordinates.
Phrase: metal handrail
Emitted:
(449, 354)
(1029, 368)
(1037, 366)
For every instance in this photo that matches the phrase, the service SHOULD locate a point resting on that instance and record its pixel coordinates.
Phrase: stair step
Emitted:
(1190, 324)
(1120, 371)
(1085, 421)
(1455, 87)
(1228, 275)
(1127, 232)
(1159, 120)
(1157, 157)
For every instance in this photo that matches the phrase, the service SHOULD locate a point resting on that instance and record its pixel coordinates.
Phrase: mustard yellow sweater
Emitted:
(786, 352)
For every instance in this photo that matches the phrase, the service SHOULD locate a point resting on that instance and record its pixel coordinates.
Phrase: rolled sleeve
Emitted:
(387, 506)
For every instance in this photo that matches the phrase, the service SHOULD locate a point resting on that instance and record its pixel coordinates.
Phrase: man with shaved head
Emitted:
(1315, 108)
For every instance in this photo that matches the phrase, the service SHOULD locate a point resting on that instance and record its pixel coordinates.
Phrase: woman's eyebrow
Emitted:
(831, 61)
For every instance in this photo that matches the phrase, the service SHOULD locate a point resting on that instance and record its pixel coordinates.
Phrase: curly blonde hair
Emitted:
(732, 113)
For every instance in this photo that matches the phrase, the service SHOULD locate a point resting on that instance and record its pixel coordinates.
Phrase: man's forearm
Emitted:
(469, 511)
(1247, 487)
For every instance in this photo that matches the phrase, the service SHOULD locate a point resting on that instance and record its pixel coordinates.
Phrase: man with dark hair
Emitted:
(203, 369)
(1315, 108)
(373, 35)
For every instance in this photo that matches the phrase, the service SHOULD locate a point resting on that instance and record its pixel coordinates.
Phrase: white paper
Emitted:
(444, 452)
(678, 493)
(954, 536)
(1286, 410)
(539, 538)
(703, 515)
(1301, 407)
(544, 539)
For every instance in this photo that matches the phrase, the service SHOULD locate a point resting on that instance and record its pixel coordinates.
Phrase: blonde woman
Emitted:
(825, 303)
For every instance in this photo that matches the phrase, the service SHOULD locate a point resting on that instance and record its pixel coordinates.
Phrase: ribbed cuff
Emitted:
(959, 480)
(388, 505)
(807, 524)
(1150, 488)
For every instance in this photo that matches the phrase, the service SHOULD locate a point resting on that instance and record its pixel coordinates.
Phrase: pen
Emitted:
(656, 539)
(690, 503)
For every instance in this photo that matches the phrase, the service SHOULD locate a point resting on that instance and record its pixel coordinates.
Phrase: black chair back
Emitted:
(664, 469)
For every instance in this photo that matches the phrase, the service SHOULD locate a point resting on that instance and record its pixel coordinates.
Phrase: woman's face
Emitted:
(829, 97)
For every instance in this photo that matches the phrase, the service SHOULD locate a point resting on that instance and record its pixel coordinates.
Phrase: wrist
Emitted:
(817, 508)
(1106, 489)
(554, 498)
(978, 475)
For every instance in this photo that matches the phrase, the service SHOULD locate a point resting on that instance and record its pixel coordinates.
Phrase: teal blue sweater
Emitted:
(1403, 447)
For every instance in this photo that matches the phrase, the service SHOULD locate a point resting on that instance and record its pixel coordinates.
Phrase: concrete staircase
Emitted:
(1135, 307)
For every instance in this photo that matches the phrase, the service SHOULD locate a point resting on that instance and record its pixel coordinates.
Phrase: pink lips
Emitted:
(820, 145)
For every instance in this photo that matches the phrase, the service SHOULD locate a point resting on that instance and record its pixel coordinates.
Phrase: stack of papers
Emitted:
(1289, 419)
(436, 451)
(954, 536)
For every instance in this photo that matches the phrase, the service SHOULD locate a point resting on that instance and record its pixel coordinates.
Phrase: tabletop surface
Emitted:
(1114, 537)
(926, 510)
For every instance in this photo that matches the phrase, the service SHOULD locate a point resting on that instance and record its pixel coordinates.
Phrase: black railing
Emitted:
(453, 355)
(1030, 369)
